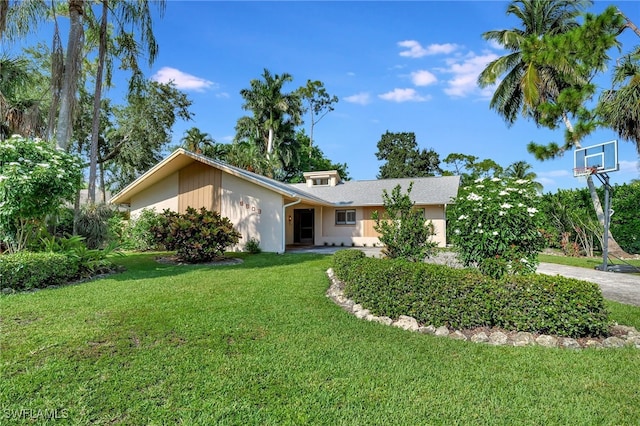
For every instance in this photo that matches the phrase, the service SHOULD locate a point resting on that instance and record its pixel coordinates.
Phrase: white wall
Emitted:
(261, 221)
(162, 195)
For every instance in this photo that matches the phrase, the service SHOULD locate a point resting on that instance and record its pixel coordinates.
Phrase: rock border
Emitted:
(176, 261)
(621, 335)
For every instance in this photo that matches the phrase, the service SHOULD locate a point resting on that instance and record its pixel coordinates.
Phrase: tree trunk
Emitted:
(73, 64)
(270, 143)
(95, 123)
(630, 24)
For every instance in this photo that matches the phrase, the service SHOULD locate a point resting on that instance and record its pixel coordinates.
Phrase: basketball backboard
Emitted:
(600, 158)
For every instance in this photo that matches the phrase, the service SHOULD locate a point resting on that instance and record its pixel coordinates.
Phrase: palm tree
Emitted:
(270, 107)
(129, 14)
(620, 108)
(523, 170)
(525, 86)
(196, 141)
(529, 82)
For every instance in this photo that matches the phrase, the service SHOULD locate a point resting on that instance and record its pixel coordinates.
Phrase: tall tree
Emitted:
(271, 108)
(403, 158)
(129, 14)
(548, 72)
(619, 106)
(72, 68)
(197, 141)
(318, 103)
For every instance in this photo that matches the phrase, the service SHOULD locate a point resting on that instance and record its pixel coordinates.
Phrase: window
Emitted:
(320, 181)
(345, 217)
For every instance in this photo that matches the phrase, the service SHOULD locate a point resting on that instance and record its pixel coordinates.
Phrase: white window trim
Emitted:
(346, 217)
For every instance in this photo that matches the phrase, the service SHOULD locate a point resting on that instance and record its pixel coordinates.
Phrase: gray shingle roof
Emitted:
(429, 190)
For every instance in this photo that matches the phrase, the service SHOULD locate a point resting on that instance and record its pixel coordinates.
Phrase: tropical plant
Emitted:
(195, 140)
(271, 109)
(403, 229)
(547, 76)
(35, 180)
(196, 236)
(403, 158)
(522, 170)
(498, 226)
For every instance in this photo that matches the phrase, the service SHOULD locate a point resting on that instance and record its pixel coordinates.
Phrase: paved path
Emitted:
(623, 288)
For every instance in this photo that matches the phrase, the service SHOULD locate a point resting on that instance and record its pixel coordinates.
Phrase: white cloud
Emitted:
(495, 45)
(465, 75)
(629, 166)
(423, 78)
(351, 74)
(362, 98)
(223, 95)
(403, 95)
(415, 49)
(555, 173)
(182, 80)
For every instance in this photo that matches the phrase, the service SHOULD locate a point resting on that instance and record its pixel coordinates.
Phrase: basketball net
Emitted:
(583, 173)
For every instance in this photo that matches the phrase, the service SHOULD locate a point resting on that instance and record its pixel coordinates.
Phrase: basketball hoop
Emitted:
(584, 172)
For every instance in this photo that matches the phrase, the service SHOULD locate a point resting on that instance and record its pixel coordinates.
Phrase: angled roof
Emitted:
(430, 190)
(181, 158)
(427, 190)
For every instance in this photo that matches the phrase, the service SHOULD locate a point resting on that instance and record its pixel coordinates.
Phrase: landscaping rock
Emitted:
(498, 338)
(442, 331)
(547, 341)
(357, 307)
(457, 335)
(427, 330)
(570, 343)
(593, 344)
(362, 313)
(480, 337)
(407, 323)
(523, 339)
(383, 320)
(613, 342)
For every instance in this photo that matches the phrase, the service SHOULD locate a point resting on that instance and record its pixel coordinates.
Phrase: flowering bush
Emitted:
(497, 226)
(35, 179)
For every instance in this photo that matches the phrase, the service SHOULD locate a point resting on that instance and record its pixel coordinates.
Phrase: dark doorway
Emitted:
(303, 226)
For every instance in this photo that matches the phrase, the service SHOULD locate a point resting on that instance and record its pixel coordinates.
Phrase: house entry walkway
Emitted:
(623, 288)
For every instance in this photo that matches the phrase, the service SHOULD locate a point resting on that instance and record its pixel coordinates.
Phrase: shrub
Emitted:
(139, 234)
(27, 270)
(343, 261)
(252, 246)
(35, 180)
(465, 298)
(403, 229)
(89, 262)
(196, 236)
(497, 227)
(93, 224)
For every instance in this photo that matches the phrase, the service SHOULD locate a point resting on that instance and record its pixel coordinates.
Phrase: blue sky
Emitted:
(396, 66)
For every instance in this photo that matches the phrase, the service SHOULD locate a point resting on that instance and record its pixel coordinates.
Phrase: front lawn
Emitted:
(259, 343)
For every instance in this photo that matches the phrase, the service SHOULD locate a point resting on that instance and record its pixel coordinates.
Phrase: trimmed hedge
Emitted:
(464, 298)
(26, 270)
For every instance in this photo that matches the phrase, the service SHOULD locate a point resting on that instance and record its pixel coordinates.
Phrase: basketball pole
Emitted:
(604, 178)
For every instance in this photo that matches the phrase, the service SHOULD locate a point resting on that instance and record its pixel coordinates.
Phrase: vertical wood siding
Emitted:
(199, 187)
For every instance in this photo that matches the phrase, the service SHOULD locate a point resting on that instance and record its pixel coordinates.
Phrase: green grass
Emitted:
(259, 343)
(582, 262)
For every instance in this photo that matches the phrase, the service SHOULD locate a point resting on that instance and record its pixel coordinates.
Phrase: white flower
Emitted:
(474, 197)
(532, 210)
(521, 181)
(45, 165)
(501, 213)
(463, 217)
(523, 260)
(478, 180)
(494, 233)
(503, 193)
(495, 179)
(520, 205)
(479, 186)
(480, 231)
(456, 231)
(506, 206)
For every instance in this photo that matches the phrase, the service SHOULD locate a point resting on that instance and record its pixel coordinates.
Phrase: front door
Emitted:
(303, 226)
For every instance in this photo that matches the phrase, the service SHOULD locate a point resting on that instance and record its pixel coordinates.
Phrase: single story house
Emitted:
(323, 211)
